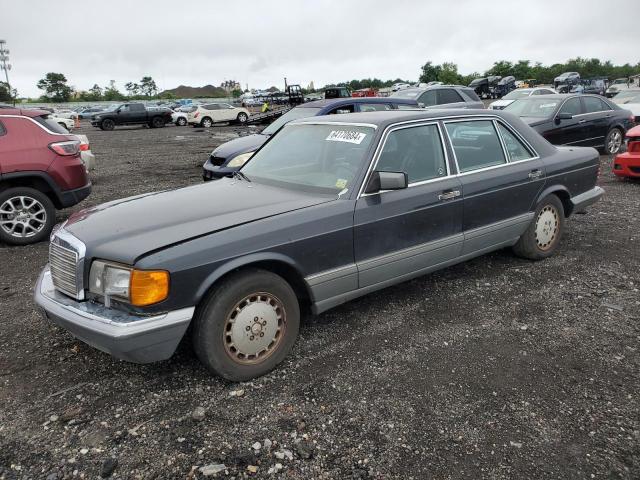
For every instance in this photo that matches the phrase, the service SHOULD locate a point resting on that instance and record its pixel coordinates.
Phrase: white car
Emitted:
(208, 114)
(86, 155)
(399, 86)
(65, 113)
(629, 100)
(514, 95)
(66, 123)
(618, 85)
(180, 118)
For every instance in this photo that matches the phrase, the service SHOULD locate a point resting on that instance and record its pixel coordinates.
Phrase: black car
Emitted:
(583, 120)
(132, 114)
(329, 209)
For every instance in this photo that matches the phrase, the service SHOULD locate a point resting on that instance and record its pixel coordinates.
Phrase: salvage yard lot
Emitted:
(495, 368)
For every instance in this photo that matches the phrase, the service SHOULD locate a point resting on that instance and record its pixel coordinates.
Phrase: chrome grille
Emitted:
(63, 263)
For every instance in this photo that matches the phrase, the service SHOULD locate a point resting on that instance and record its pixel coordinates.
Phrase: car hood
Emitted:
(237, 146)
(501, 103)
(127, 229)
(632, 107)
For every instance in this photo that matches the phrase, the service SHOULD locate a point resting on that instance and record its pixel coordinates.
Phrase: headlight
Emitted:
(137, 287)
(240, 160)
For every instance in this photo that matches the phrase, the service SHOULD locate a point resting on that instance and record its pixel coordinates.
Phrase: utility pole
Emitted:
(4, 58)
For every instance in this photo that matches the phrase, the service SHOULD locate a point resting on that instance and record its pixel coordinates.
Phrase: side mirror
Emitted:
(386, 181)
(118, 111)
(563, 116)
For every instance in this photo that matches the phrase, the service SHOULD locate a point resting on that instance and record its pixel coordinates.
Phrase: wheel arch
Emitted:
(277, 263)
(33, 179)
(562, 193)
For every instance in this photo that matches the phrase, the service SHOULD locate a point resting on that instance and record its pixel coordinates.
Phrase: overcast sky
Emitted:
(200, 42)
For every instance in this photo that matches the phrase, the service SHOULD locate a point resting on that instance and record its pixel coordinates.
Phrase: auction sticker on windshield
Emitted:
(348, 136)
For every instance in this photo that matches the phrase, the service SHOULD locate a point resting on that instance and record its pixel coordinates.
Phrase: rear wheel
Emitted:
(242, 117)
(613, 141)
(26, 216)
(206, 122)
(542, 237)
(247, 325)
(107, 124)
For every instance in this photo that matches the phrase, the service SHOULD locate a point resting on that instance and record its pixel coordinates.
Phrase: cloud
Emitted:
(203, 42)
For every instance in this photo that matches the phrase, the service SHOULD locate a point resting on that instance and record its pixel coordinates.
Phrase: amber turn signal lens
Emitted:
(148, 287)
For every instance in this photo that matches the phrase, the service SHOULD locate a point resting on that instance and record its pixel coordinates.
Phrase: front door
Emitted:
(403, 232)
(501, 178)
(572, 131)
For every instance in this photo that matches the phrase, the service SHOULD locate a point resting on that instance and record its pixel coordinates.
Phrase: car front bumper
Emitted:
(134, 338)
(213, 172)
(627, 165)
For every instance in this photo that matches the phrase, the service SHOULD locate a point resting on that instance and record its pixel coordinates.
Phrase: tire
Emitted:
(33, 219)
(242, 118)
(181, 121)
(613, 141)
(206, 122)
(107, 124)
(542, 237)
(230, 329)
(156, 122)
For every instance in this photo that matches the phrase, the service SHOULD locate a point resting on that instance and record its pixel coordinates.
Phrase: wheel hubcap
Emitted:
(22, 216)
(547, 227)
(615, 141)
(254, 328)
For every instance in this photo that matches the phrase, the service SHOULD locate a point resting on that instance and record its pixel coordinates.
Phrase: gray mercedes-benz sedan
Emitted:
(329, 209)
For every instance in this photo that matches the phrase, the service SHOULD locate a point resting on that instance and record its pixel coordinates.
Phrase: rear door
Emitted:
(571, 131)
(401, 232)
(137, 113)
(449, 98)
(501, 177)
(597, 114)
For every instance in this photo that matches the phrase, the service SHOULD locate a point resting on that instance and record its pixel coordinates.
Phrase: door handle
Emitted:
(533, 174)
(449, 194)
(582, 121)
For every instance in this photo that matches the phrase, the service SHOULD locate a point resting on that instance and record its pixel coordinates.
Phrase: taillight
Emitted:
(72, 147)
(195, 115)
(84, 147)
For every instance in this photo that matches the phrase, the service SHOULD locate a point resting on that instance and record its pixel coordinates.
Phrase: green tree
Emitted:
(95, 93)
(112, 93)
(236, 93)
(449, 74)
(55, 87)
(148, 87)
(132, 88)
(430, 73)
(5, 94)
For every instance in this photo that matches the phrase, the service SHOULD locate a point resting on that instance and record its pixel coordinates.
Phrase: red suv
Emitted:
(40, 171)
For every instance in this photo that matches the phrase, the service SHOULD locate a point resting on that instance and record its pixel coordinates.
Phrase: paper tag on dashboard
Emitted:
(348, 136)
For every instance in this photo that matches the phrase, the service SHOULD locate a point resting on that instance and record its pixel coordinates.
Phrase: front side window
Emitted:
(476, 144)
(516, 151)
(312, 157)
(448, 95)
(417, 151)
(571, 106)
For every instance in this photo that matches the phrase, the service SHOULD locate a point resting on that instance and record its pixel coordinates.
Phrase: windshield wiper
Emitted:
(240, 175)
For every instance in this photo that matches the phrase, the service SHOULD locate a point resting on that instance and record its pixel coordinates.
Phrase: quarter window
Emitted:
(516, 151)
(417, 151)
(593, 104)
(571, 106)
(428, 98)
(476, 145)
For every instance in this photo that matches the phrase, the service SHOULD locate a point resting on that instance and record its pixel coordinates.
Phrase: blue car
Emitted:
(230, 156)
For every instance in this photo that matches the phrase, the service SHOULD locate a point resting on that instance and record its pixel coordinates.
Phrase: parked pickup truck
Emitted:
(132, 114)
(329, 209)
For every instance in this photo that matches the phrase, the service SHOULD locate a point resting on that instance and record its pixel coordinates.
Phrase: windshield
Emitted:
(522, 93)
(293, 114)
(315, 158)
(630, 96)
(533, 107)
(619, 81)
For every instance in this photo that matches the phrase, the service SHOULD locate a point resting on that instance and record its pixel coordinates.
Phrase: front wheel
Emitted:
(107, 124)
(157, 122)
(613, 141)
(542, 237)
(181, 121)
(247, 325)
(26, 216)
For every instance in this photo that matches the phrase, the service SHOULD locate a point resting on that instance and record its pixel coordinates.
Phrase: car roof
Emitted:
(336, 102)
(25, 112)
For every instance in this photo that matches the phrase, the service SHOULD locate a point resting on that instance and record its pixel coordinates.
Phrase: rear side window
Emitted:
(374, 107)
(593, 104)
(49, 124)
(416, 151)
(428, 98)
(571, 106)
(448, 95)
(516, 151)
(476, 145)
(469, 92)
(2, 129)
(211, 106)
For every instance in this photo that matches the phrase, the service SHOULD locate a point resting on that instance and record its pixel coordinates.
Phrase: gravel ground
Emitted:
(496, 368)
